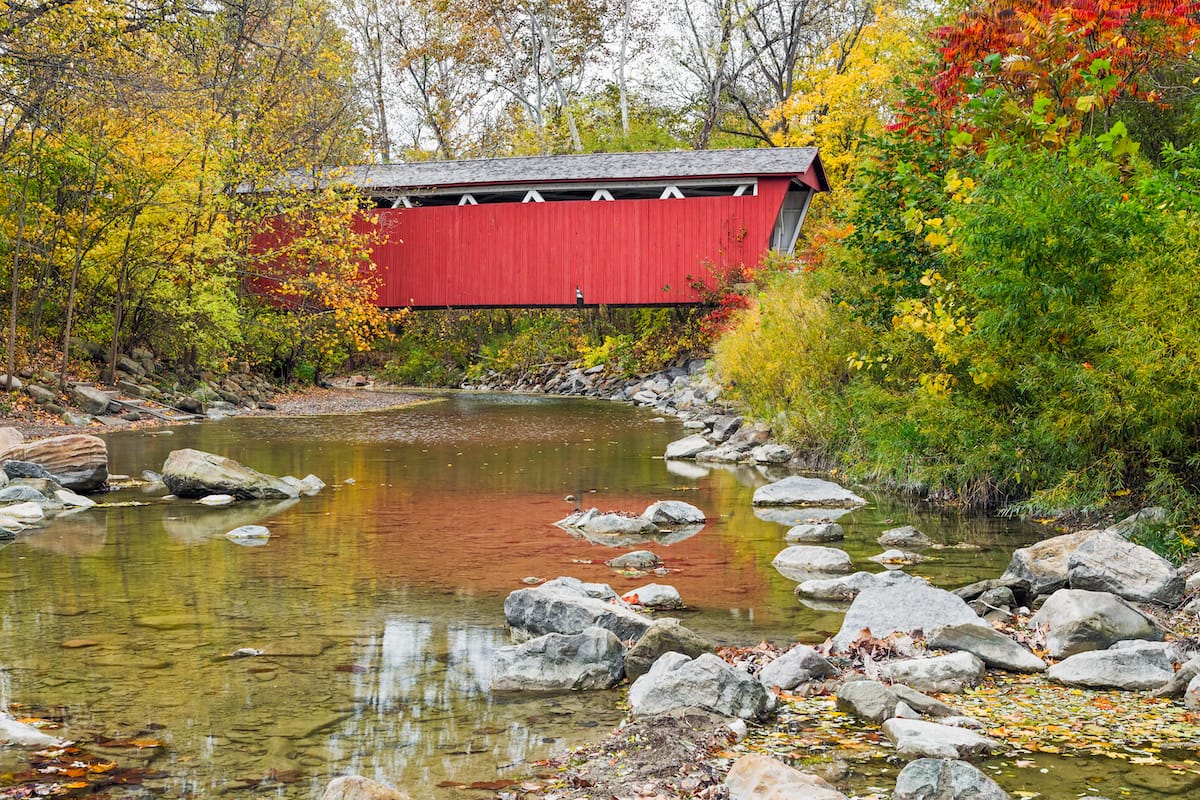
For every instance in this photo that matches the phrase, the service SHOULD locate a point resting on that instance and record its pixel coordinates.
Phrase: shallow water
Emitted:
(377, 603)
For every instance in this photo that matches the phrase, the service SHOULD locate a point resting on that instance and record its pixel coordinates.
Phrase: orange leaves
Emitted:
(1080, 54)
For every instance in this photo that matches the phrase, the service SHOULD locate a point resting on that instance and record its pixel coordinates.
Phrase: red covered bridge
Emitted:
(617, 229)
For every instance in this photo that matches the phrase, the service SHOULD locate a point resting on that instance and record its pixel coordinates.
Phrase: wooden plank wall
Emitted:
(623, 252)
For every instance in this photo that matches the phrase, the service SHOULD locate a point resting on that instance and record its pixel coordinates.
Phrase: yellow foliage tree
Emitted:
(848, 94)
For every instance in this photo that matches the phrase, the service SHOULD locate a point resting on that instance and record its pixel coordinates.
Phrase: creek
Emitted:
(377, 604)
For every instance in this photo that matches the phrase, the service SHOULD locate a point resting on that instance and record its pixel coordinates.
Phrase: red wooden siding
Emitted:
(621, 252)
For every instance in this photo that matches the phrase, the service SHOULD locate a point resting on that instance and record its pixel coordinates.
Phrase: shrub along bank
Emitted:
(1005, 313)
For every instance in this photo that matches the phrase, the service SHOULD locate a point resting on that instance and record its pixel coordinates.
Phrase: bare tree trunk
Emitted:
(16, 267)
(622, 63)
(119, 299)
(80, 248)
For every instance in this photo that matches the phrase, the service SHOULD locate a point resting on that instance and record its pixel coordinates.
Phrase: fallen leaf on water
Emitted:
(72, 644)
(492, 786)
(450, 785)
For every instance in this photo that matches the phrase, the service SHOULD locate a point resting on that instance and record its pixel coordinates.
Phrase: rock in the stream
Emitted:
(815, 533)
(249, 535)
(664, 636)
(708, 682)
(848, 587)
(916, 738)
(24, 512)
(1077, 620)
(1141, 666)
(803, 562)
(596, 523)
(759, 777)
(688, 447)
(668, 513)
(800, 491)
(77, 461)
(18, 734)
(1044, 565)
(951, 673)
(945, 779)
(906, 536)
(771, 454)
(636, 559)
(556, 607)
(989, 644)
(356, 787)
(799, 665)
(868, 700)
(592, 659)
(194, 473)
(1106, 562)
(1178, 683)
(904, 606)
(654, 595)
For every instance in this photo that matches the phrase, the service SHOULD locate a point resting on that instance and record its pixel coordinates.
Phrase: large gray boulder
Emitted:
(194, 473)
(1106, 562)
(77, 461)
(1077, 620)
(905, 606)
(951, 673)
(664, 636)
(1044, 565)
(799, 665)
(669, 513)
(356, 787)
(945, 779)
(563, 608)
(593, 659)
(90, 399)
(915, 738)
(800, 491)
(803, 562)
(760, 777)
(1138, 667)
(868, 700)
(676, 681)
(688, 447)
(990, 645)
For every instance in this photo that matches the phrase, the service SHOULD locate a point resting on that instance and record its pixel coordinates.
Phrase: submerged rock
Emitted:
(906, 536)
(18, 734)
(815, 533)
(249, 535)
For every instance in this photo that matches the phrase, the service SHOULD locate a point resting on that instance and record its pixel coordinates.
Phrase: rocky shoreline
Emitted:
(1086, 612)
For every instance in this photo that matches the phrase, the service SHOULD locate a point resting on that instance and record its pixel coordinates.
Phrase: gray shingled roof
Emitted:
(590, 168)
